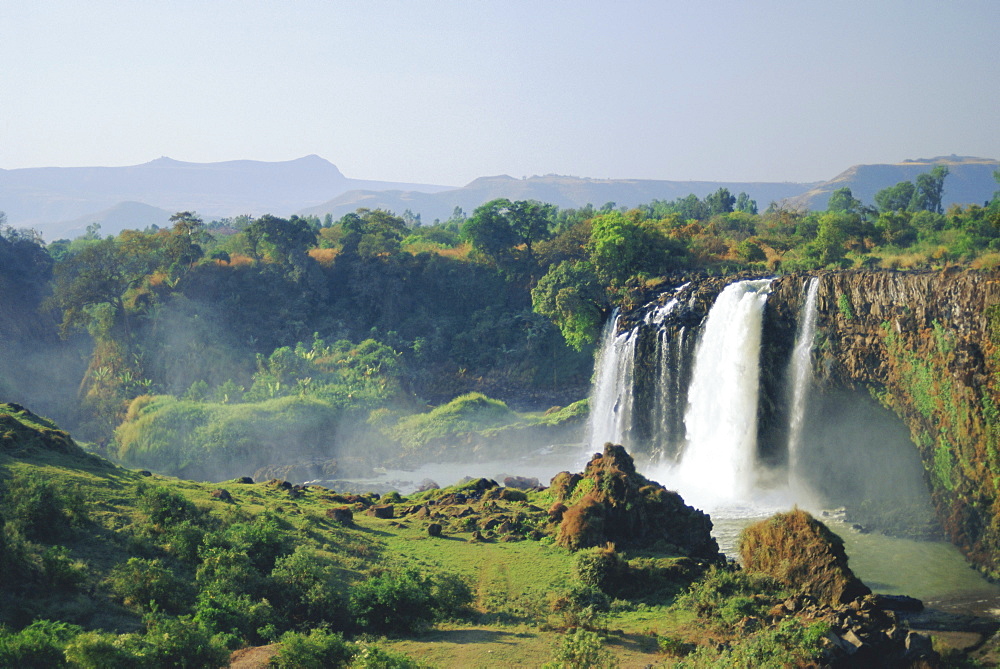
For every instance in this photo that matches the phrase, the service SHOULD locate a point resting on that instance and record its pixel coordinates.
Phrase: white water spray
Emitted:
(800, 373)
(718, 466)
(612, 393)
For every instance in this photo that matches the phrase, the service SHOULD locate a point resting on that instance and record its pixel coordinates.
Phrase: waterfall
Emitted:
(612, 393)
(800, 373)
(719, 458)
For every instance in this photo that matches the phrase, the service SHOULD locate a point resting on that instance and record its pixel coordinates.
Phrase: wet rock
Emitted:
(899, 603)
(521, 483)
(427, 484)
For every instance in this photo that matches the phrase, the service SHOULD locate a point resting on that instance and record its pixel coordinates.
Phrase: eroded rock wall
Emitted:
(927, 346)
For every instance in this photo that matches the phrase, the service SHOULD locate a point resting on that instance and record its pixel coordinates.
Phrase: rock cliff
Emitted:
(925, 345)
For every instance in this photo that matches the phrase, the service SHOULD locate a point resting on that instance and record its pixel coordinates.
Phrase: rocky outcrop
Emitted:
(802, 553)
(926, 345)
(611, 502)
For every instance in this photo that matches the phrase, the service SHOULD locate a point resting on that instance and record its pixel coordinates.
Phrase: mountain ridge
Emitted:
(62, 201)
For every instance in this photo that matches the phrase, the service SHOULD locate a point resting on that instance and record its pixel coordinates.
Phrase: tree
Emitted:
(929, 191)
(745, 204)
(498, 226)
(895, 198)
(842, 200)
(720, 202)
(285, 242)
(571, 296)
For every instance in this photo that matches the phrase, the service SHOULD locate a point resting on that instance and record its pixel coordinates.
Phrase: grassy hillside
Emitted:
(103, 566)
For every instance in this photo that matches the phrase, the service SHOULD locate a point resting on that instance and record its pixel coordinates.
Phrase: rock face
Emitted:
(802, 553)
(927, 346)
(613, 503)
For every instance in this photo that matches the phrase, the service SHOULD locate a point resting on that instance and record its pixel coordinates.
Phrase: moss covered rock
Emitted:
(623, 507)
(802, 553)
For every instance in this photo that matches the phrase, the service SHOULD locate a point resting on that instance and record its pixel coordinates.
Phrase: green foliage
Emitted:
(466, 413)
(724, 596)
(181, 643)
(149, 585)
(307, 589)
(571, 295)
(373, 657)
(844, 307)
(319, 649)
(403, 601)
(38, 508)
(37, 646)
(581, 649)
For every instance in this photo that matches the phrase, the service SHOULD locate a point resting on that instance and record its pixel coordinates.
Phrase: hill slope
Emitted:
(970, 181)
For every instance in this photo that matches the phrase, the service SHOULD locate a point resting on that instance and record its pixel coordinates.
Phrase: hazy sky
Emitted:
(443, 92)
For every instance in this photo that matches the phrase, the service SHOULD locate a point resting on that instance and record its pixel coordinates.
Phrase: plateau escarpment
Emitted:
(927, 346)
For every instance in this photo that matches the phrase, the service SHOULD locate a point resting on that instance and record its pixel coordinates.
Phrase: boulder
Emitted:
(434, 529)
(624, 508)
(222, 495)
(381, 511)
(802, 553)
(522, 483)
(342, 515)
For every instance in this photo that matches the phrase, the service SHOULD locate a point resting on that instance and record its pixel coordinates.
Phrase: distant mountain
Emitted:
(970, 181)
(122, 216)
(54, 200)
(563, 191)
(61, 202)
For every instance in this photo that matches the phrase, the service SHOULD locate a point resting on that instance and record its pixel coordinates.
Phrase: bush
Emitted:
(39, 509)
(319, 649)
(171, 643)
(392, 602)
(601, 568)
(145, 584)
(40, 645)
(581, 649)
(237, 618)
(305, 588)
(97, 650)
(373, 657)
(164, 507)
(727, 596)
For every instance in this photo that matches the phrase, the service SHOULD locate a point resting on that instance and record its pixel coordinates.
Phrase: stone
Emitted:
(434, 529)
(343, 515)
(381, 511)
(222, 495)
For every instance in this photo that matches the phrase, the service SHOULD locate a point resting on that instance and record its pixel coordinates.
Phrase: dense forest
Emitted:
(211, 350)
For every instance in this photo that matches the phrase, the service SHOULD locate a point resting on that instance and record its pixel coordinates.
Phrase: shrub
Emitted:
(319, 649)
(581, 649)
(395, 601)
(724, 595)
(180, 642)
(40, 645)
(306, 588)
(237, 618)
(143, 584)
(97, 650)
(40, 509)
(601, 568)
(373, 657)
(164, 507)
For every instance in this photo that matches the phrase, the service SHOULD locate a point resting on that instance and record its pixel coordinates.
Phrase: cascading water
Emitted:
(612, 392)
(800, 373)
(718, 464)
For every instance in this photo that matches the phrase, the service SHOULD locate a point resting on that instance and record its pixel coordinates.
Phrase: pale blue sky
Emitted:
(443, 92)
